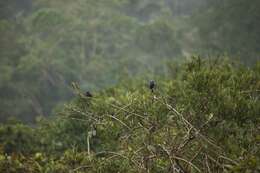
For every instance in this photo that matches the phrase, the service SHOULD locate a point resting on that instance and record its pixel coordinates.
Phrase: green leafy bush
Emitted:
(204, 119)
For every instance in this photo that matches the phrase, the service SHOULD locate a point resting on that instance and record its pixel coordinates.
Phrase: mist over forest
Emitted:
(147, 86)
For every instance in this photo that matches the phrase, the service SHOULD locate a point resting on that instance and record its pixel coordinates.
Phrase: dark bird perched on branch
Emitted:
(88, 94)
(152, 85)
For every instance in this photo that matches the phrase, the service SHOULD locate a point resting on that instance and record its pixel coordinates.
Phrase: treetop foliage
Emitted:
(127, 128)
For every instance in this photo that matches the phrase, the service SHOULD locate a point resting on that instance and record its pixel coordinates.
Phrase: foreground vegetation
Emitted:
(204, 119)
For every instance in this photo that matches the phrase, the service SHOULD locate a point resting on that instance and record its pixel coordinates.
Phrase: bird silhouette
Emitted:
(88, 94)
(152, 85)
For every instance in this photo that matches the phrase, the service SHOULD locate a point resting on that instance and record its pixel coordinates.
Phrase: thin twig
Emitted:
(113, 117)
(179, 158)
(207, 164)
(226, 158)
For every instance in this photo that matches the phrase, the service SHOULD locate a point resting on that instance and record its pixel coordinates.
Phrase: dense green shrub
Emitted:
(204, 119)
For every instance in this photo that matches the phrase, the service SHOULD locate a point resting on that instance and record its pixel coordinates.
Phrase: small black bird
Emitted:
(152, 85)
(88, 94)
